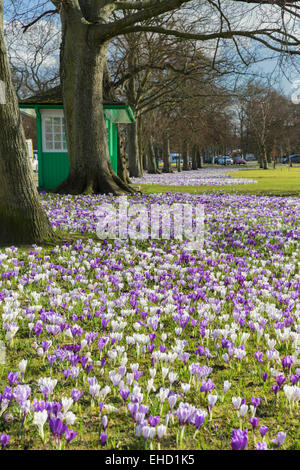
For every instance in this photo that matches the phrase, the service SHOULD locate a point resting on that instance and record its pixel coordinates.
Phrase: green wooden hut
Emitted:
(53, 159)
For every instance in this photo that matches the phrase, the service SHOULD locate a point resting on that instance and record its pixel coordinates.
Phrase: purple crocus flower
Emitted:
(133, 408)
(255, 401)
(287, 362)
(46, 345)
(199, 420)
(152, 337)
(265, 376)
(76, 394)
(207, 386)
(13, 378)
(263, 430)
(294, 379)
(279, 438)
(89, 368)
(124, 394)
(137, 374)
(280, 379)
(258, 356)
(254, 422)
(102, 342)
(4, 440)
(57, 427)
(275, 389)
(38, 328)
(239, 439)
(51, 359)
(143, 409)
(103, 439)
(70, 435)
(84, 361)
(261, 446)
(153, 420)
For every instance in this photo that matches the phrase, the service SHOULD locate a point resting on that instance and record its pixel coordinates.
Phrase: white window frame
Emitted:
(52, 113)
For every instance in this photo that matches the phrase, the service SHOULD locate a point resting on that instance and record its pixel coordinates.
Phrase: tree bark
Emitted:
(83, 66)
(185, 156)
(167, 168)
(152, 168)
(178, 163)
(22, 217)
(194, 158)
(134, 162)
(122, 160)
(200, 158)
(140, 134)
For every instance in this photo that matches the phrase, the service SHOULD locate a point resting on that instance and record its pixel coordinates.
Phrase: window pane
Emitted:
(57, 146)
(48, 145)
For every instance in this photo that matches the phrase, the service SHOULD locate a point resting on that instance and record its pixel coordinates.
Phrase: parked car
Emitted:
(295, 158)
(225, 160)
(239, 160)
(250, 157)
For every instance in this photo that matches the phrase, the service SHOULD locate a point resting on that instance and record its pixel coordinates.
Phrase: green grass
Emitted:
(278, 182)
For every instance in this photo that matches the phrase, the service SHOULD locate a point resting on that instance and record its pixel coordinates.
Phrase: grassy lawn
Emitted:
(278, 182)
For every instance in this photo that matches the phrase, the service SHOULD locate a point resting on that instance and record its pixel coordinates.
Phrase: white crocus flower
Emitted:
(22, 366)
(164, 371)
(39, 419)
(66, 403)
(243, 410)
(185, 388)
(161, 430)
(70, 418)
(236, 401)
(227, 386)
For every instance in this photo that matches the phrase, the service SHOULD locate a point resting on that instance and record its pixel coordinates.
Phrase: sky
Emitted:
(252, 16)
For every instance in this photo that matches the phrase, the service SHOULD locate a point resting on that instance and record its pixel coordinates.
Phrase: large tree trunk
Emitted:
(185, 156)
(264, 158)
(152, 167)
(178, 162)
(145, 161)
(167, 168)
(22, 217)
(122, 161)
(200, 158)
(83, 65)
(141, 145)
(134, 162)
(194, 158)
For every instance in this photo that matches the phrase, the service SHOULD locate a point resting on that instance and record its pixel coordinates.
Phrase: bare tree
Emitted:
(33, 56)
